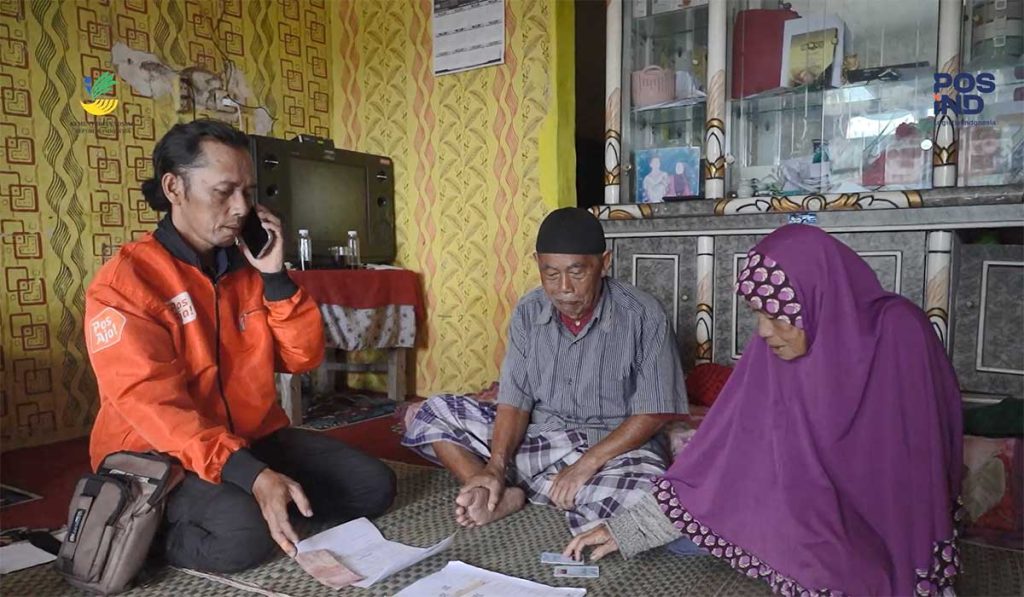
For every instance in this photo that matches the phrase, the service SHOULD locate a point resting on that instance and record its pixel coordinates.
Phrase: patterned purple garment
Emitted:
(837, 472)
(764, 285)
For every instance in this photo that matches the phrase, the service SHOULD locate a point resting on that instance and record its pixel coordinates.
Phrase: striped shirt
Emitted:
(623, 363)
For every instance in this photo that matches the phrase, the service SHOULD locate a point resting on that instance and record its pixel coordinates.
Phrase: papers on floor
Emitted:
(361, 547)
(22, 555)
(459, 579)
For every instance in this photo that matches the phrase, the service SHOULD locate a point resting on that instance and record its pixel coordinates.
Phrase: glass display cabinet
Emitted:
(831, 96)
(897, 124)
(766, 98)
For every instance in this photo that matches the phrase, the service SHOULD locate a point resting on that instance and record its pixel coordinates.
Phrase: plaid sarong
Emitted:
(470, 424)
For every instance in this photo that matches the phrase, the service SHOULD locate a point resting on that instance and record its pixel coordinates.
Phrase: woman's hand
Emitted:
(598, 537)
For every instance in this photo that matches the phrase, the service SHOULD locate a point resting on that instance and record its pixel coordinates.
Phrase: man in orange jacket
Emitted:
(185, 329)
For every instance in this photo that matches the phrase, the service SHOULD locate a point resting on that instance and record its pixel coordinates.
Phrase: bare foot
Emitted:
(471, 507)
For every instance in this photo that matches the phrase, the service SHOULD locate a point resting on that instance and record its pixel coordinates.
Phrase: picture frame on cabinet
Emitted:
(813, 46)
(667, 172)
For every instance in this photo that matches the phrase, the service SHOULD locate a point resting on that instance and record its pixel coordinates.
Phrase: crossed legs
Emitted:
(471, 506)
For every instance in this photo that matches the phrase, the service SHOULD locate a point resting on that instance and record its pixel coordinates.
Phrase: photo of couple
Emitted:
(667, 172)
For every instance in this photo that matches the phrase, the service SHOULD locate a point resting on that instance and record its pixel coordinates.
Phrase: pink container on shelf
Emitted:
(653, 85)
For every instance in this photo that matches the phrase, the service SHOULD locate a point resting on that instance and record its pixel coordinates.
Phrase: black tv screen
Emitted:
(328, 199)
(328, 191)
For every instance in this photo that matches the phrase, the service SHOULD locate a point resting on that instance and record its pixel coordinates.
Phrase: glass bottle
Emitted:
(305, 250)
(353, 249)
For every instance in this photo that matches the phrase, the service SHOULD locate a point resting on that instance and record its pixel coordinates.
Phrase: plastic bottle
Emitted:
(305, 250)
(355, 261)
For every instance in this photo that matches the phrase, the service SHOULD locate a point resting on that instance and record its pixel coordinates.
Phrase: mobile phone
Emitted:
(254, 234)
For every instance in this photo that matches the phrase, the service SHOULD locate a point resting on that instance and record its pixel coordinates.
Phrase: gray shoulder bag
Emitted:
(113, 517)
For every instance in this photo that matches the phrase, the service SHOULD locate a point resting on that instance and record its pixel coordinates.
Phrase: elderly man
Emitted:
(591, 363)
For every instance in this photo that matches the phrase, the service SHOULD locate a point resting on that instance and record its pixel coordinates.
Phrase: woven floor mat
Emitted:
(422, 515)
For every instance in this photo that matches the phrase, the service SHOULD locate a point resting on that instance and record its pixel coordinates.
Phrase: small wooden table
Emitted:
(362, 309)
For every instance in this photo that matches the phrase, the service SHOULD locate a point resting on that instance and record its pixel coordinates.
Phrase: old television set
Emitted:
(314, 186)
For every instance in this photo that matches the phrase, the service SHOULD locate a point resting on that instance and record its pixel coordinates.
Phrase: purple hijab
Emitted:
(837, 471)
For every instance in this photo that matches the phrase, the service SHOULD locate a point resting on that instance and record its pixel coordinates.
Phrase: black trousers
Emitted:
(219, 528)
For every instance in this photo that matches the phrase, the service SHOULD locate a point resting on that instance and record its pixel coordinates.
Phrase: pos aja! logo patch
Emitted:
(105, 329)
(182, 305)
(97, 104)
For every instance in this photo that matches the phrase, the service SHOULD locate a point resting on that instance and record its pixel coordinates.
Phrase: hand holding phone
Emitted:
(254, 234)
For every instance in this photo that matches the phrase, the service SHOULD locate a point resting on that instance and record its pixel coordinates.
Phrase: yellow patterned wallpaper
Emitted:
(480, 158)
(69, 182)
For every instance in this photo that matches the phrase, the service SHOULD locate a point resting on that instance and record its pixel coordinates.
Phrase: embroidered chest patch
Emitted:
(105, 329)
(182, 305)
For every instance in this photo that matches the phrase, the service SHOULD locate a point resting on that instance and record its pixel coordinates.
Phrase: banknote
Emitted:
(324, 566)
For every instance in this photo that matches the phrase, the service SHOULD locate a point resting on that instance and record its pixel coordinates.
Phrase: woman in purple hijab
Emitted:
(831, 461)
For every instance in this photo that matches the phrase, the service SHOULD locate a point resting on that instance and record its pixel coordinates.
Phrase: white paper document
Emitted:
(459, 579)
(22, 555)
(362, 548)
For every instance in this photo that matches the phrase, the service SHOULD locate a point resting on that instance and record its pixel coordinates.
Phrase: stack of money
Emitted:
(324, 566)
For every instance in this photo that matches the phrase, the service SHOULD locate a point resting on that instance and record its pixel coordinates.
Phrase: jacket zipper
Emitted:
(220, 380)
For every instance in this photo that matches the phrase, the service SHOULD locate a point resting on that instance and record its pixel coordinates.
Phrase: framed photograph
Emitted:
(811, 45)
(666, 172)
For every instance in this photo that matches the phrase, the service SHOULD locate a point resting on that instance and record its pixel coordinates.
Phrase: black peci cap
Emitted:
(571, 231)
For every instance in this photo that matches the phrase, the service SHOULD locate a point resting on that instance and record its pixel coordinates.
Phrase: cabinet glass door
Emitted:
(831, 96)
(664, 77)
(992, 105)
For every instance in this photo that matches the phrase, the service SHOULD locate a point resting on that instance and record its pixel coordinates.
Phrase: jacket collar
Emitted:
(225, 259)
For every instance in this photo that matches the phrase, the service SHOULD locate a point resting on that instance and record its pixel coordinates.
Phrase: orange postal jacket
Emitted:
(185, 358)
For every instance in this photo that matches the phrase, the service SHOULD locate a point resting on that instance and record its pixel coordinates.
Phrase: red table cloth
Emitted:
(365, 308)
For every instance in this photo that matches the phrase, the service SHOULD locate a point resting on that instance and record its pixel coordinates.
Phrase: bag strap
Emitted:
(90, 491)
(44, 541)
